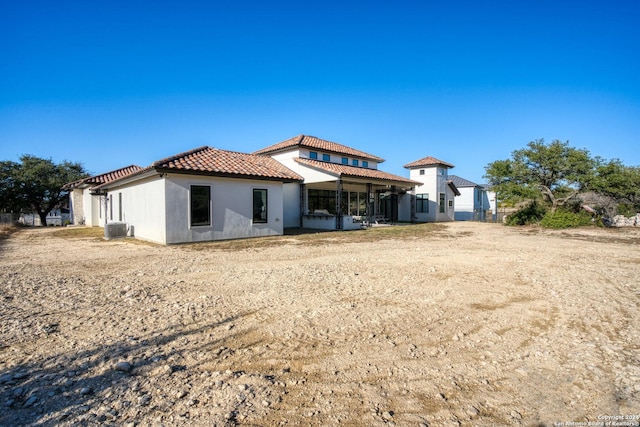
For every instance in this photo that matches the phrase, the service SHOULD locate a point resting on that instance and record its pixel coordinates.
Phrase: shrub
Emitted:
(532, 213)
(565, 219)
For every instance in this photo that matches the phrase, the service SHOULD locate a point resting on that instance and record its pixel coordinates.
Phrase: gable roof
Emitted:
(104, 178)
(313, 142)
(211, 161)
(461, 182)
(341, 170)
(427, 161)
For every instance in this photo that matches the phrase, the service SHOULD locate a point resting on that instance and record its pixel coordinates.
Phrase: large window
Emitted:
(442, 203)
(422, 203)
(259, 206)
(200, 205)
(324, 200)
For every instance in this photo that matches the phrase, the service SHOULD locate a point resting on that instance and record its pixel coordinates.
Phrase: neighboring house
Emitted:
(490, 203)
(341, 188)
(476, 202)
(434, 197)
(58, 216)
(200, 195)
(470, 206)
(88, 210)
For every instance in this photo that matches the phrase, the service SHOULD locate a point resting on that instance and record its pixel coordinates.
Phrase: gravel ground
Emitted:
(474, 325)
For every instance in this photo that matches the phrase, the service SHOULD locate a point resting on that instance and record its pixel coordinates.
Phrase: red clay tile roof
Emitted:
(103, 178)
(427, 161)
(313, 142)
(352, 171)
(212, 161)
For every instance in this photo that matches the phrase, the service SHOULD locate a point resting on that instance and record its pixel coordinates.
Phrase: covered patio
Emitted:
(344, 197)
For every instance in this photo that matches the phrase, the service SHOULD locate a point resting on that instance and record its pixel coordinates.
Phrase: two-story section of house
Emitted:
(435, 194)
(342, 188)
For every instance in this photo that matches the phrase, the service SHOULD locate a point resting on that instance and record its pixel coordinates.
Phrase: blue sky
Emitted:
(115, 83)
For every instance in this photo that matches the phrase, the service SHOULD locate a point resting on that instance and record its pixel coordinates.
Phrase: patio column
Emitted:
(339, 205)
(303, 203)
(369, 204)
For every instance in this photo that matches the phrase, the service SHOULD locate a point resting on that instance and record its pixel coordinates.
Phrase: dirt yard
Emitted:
(462, 324)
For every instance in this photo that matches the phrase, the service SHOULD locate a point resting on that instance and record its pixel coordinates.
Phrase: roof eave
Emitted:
(227, 175)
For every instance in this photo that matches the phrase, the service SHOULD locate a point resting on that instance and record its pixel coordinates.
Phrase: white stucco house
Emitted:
(342, 187)
(303, 182)
(434, 195)
(88, 210)
(200, 195)
(475, 203)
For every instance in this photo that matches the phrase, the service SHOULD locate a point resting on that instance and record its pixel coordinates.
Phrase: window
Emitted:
(326, 158)
(442, 172)
(313, 155)
(321, 200)
(111, 207)
(442, 203)
(200, 205)
(421, 171)
(119, 206)
(354, 162)
(259, 206)
(345, 161)
(422, 203)
(450, 203)
(365, 164)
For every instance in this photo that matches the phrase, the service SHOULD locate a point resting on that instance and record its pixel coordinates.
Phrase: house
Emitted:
(476, 201)
(434, 195)
(470, 206)
(57, 216)
(200, 195)
(341, 187)
(211, 194)
(88, 210)
(490, 203)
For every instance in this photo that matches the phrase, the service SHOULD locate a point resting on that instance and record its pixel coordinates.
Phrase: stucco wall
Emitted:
(433, 183)
(76, 208)
(231, 209)
(291, 213)
(142, 208)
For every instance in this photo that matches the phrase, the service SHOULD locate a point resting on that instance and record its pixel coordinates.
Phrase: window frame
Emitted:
(365, 164)
(120, 206)
(442, 201)
(355, 162)
(313, 155)
(345, 160)
(326, 157)
(420, 202)
(265, 208)
(192, 200)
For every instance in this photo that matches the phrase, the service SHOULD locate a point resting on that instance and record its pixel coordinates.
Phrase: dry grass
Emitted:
(298, 237)
(80, 233)
(316, 238)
